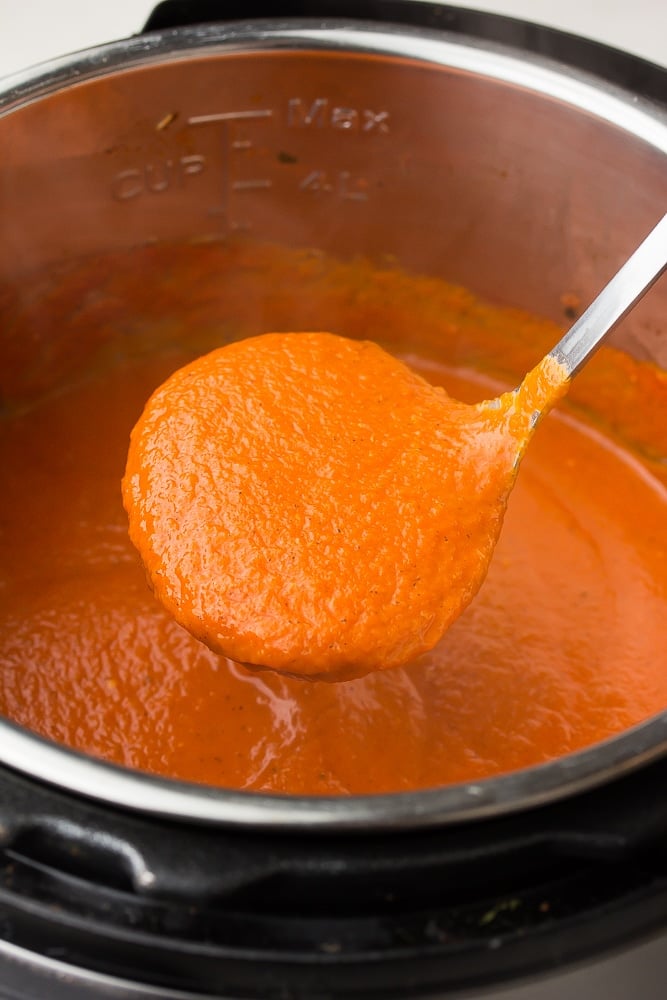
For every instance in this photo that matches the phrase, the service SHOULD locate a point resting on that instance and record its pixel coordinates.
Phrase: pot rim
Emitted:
(78, 773)
(489, 798)
(610, 101)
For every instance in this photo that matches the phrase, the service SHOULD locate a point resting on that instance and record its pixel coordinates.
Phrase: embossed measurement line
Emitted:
(232, 145)
(251, 185)
(229, 116)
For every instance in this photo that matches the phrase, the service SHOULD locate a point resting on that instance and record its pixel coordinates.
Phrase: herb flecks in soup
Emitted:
(306, 502)
(563, 646)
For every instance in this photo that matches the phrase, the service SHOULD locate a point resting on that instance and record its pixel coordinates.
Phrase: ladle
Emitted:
(307, 503)
(615, 301)
(548, 381)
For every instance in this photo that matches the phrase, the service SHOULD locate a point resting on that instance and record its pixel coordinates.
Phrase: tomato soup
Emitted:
(562, 647)
(307, 503)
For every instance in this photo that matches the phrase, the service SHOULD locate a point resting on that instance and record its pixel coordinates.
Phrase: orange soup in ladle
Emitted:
(307, 503)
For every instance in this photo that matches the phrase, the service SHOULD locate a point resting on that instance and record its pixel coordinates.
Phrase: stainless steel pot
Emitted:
(501, 170)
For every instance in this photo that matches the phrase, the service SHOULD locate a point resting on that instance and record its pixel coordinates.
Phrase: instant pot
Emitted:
(518, 161)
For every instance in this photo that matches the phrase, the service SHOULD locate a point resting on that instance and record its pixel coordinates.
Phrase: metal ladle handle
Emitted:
(634, 279)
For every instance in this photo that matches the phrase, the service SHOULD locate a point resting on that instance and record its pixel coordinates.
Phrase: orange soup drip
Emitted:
(306, 502)
(563, 646)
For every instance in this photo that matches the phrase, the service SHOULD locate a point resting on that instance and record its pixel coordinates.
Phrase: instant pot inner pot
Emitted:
(503, 174)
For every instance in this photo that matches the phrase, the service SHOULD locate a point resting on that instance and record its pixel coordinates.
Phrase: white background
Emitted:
(35, 30)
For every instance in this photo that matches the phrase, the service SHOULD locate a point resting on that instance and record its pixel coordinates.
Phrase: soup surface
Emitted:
(562, 647)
